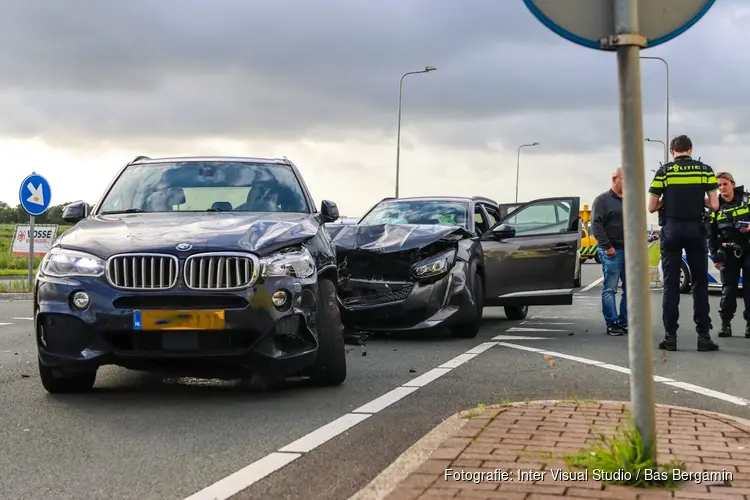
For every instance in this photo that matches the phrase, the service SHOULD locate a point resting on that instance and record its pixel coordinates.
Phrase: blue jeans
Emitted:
(613, 269)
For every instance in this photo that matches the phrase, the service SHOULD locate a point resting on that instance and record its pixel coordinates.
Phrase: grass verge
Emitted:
(11, 265)
(654, 254)
(16, 286)
(621, 460)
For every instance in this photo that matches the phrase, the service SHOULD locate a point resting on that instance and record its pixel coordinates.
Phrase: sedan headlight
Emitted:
(435, 266)
(297, 263)
(61, 263)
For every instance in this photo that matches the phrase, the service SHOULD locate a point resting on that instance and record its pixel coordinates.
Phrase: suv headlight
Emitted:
(435, 266)
(61, 263)
(298, 263)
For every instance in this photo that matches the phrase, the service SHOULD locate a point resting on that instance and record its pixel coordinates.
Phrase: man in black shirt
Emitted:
(683, 188)
(607, 227)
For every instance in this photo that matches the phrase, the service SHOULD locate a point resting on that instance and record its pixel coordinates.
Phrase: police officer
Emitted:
(729, 243)
(683, 188)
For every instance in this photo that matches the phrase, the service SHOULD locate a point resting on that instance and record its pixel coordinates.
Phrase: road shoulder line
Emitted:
(705, 391)
(242, 479)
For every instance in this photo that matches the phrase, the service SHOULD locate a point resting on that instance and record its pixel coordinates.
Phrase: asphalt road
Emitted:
(140, 437)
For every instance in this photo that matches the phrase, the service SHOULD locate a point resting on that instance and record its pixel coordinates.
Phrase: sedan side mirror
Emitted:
(504, 231)
(329, 211)
(75, 212)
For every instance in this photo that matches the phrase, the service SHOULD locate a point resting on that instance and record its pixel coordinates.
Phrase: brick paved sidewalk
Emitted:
(535, 436)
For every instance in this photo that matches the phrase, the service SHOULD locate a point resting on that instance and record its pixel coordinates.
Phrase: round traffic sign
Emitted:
(35, 194)
(590, 22)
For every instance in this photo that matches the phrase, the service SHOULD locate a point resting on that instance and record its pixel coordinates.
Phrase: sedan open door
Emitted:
(530, 254)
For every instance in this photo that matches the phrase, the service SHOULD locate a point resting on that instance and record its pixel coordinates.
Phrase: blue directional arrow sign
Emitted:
(35, 194)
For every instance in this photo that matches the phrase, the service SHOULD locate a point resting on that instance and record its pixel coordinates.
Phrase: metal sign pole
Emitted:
(629, 42)
(31, 249)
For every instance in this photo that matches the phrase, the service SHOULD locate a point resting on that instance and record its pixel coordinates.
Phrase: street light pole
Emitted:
(426, 69)
(666, 65)
(518, 163)
(666, 153)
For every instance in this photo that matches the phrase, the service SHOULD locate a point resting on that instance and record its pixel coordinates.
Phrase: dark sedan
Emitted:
(419, 263)
(215, 267)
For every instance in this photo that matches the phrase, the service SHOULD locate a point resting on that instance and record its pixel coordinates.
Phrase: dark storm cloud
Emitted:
(99, 70)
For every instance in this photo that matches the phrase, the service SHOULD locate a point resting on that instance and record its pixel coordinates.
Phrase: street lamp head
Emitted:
(427, 69)
(535, 144)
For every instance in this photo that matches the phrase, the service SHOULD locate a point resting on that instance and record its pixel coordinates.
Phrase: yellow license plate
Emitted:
(178, 320)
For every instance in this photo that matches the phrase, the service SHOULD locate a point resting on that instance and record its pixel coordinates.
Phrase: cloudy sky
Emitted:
(87, 85)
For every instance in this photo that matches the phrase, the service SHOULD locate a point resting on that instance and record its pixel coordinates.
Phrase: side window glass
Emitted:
(545, 217)
(493, 217)
(479, 222)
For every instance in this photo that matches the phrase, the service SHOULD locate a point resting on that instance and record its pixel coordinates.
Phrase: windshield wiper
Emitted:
(126, 211)
(215, 210)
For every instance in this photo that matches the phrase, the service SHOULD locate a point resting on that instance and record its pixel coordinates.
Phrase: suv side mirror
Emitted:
(329, 211)
(75, 212)
(504, 231)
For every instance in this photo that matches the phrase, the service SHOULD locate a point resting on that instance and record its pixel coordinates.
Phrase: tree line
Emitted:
(17, 215)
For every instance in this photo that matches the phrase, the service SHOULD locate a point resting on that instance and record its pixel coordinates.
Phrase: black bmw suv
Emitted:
(208, 267)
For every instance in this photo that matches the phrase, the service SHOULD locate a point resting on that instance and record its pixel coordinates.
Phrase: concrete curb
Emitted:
(409, 461)
(9, 297)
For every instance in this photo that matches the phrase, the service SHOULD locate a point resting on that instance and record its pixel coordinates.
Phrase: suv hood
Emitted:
(387, 238)
(258, 232)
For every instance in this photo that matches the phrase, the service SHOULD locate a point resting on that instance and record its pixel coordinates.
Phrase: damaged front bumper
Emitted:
(442, 301)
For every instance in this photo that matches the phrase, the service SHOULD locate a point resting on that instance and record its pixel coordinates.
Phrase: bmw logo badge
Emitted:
(184, 247)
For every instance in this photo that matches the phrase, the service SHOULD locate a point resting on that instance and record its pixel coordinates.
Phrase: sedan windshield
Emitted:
(201, 186)
(445, 213)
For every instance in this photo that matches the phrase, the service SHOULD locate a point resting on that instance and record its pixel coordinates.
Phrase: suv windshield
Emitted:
(196, 186)
(446, 213)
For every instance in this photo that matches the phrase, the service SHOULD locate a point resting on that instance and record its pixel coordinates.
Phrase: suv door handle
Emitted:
(560, 247)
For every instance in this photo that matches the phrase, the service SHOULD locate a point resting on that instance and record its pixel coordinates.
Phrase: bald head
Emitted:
(617, 181)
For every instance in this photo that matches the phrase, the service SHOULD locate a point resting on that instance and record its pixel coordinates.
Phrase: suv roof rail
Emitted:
(139, 158)
(485, 199)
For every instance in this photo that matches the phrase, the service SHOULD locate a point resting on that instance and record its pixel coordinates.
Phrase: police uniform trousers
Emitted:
(676, 235)
(730, 277)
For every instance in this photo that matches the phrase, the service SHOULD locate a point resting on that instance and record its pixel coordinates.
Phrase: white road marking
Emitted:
(709, 392)
(231, 485)
(5, 324)
(544, 323)
(458, 360)
(385, 400)
(558, 317)
(27, 319)
(481, 348)
(324, 434)
(621, 369)
(428, 377)
(522, 329)
(518, 337)
(592, 285)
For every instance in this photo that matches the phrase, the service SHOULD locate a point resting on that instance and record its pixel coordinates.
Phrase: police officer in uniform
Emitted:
(683, 188)
(729, 243)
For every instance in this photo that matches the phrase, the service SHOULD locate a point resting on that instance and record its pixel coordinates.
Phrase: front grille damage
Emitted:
(368, 277)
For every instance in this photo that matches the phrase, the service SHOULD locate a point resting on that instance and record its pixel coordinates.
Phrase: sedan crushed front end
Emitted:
(395, 277)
